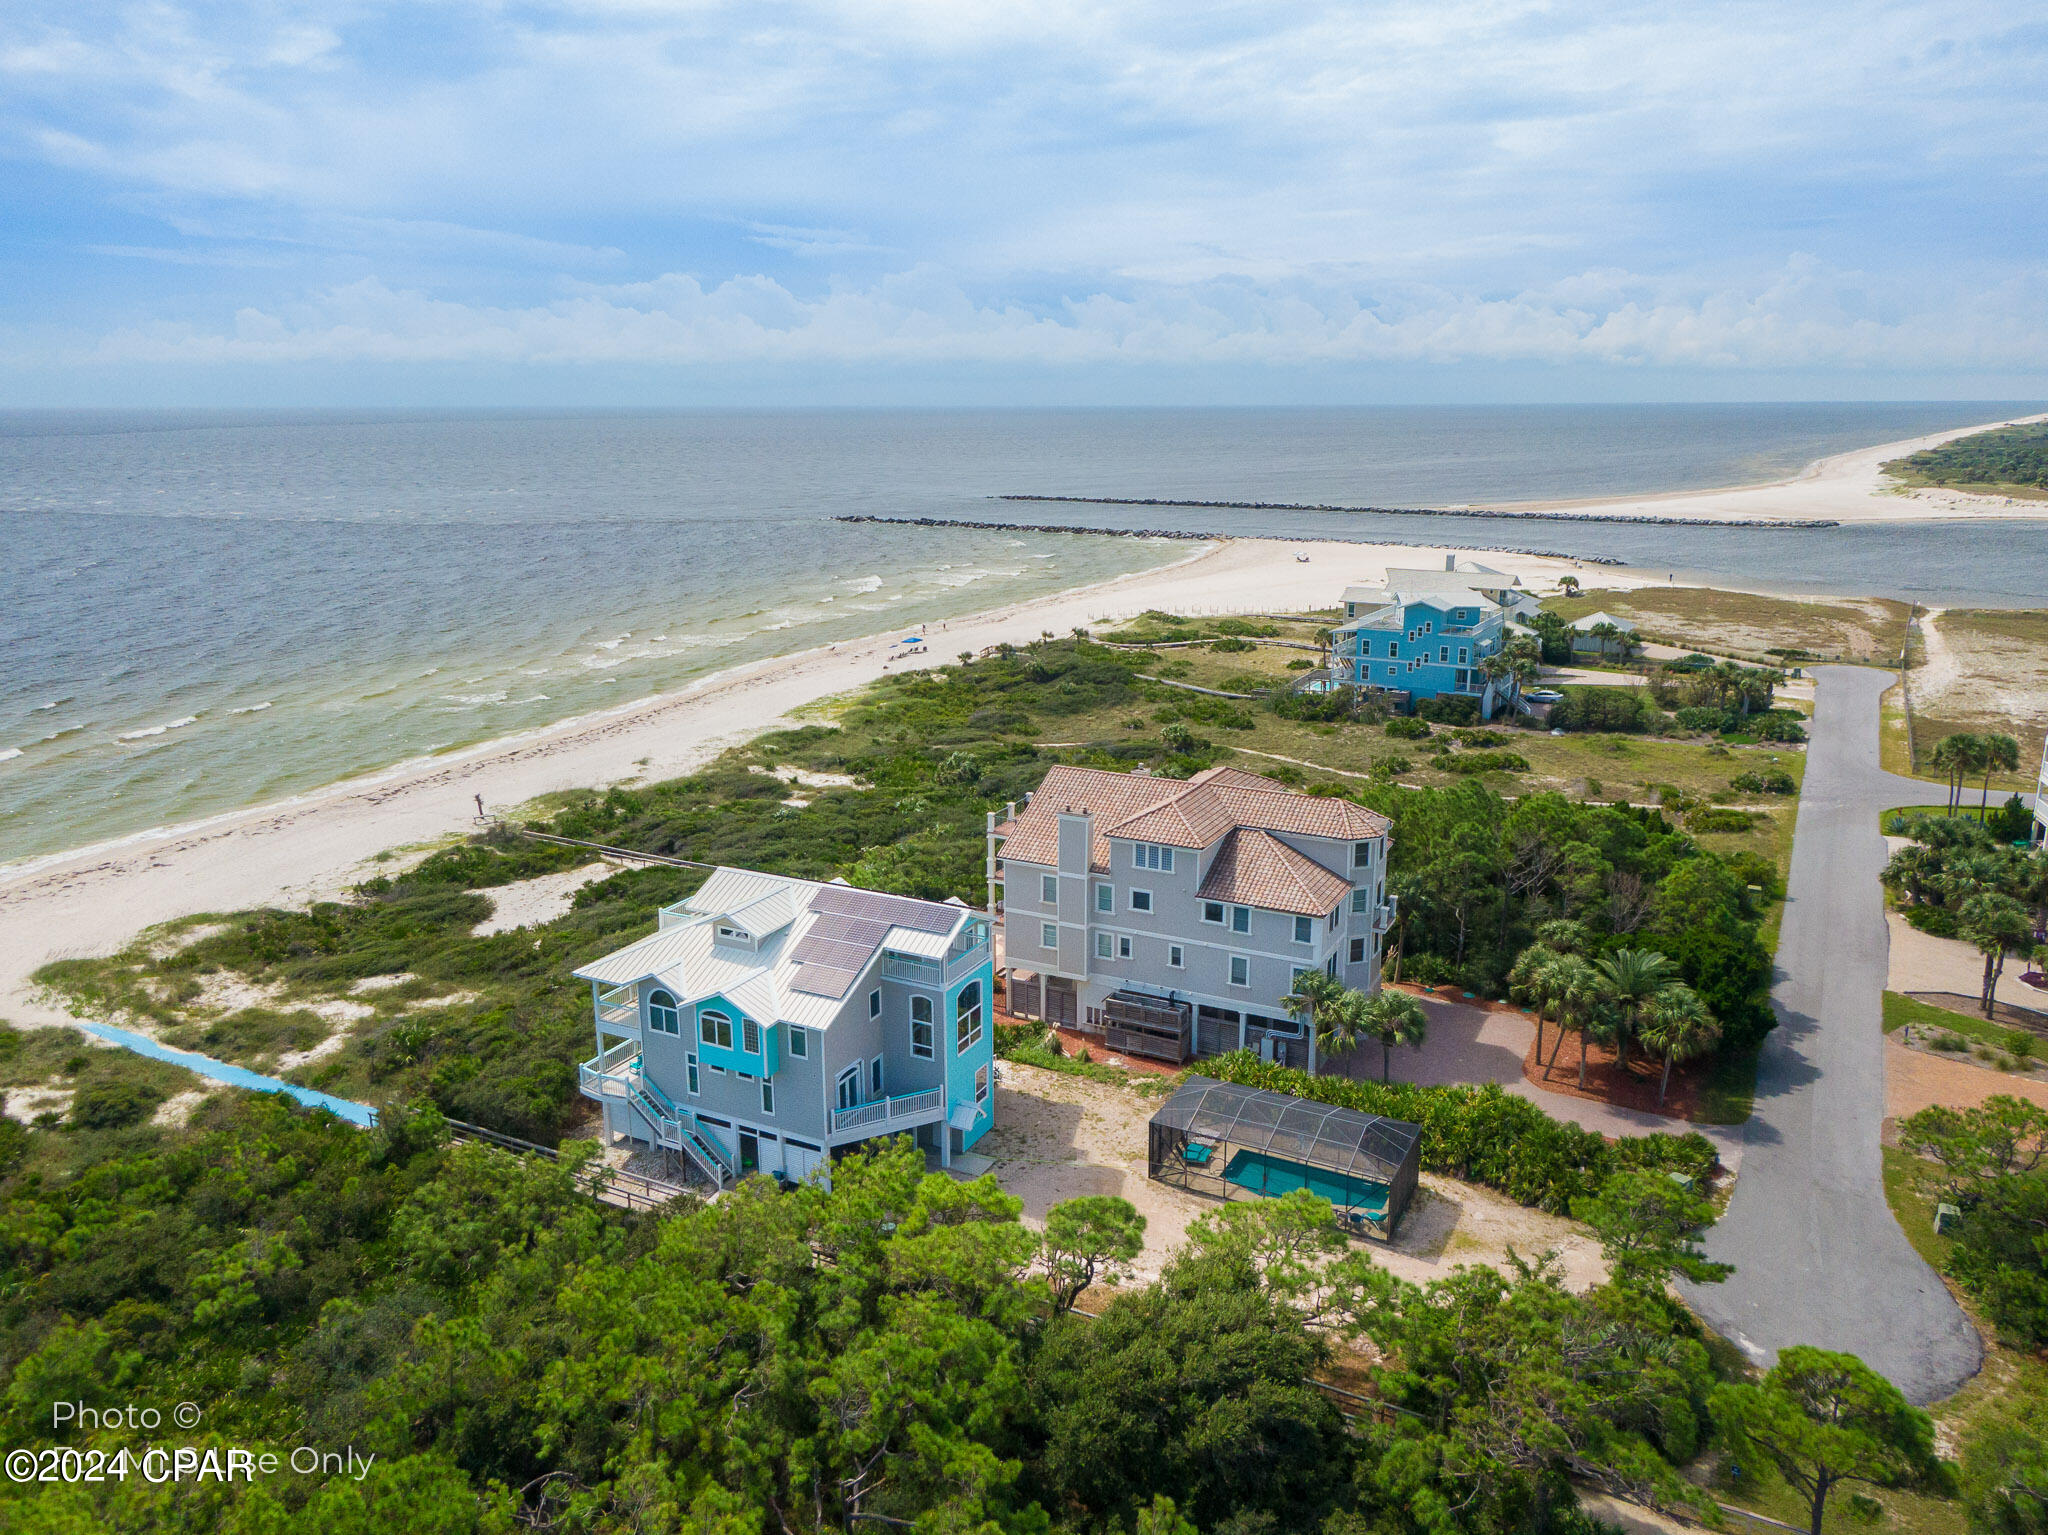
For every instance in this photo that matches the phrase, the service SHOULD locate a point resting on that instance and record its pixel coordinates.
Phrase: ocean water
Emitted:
(204, 610)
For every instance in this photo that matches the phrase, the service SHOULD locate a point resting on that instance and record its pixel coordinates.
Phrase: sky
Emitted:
(959, 201)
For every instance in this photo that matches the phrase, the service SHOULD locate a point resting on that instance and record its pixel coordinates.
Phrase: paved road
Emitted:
(1819, 1258)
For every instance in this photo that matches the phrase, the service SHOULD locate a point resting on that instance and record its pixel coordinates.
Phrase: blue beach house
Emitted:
(768, 1022)
(1427, 634)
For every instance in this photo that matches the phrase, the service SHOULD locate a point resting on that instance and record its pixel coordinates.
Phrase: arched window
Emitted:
(661, 1014)
(715, 1029)
(967, 1016)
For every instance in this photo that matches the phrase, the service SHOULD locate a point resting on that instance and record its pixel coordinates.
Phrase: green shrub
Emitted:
(1485, 1135)
(1718, 818)
(113, 1105)
(1229, 644)
(1707, 719)
(1778, 725)
(1448, 709)
(1935, 921)
(1624, 711)
(1408, 729)
(1484, 762)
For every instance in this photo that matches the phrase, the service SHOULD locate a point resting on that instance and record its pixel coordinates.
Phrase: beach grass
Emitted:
(1750, 625)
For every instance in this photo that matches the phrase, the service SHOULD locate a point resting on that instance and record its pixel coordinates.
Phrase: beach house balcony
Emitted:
(618, 1010)
(932, 972)
(886, 1116)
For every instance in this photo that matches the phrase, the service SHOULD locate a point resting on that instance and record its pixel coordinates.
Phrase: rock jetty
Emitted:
(1437, 511)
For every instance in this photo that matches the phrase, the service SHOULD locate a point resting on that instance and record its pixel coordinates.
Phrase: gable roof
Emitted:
(1593, 620)
(1255, 868)
(1192, 814)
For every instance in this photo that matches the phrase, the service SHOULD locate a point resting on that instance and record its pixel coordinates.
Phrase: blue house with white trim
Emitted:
(1424, 642)
(768, 1022)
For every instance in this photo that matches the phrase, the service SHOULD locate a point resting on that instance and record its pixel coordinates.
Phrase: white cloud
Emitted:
(1802, 316)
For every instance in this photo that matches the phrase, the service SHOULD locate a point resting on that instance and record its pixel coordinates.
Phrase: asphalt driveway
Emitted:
(1818, 1257)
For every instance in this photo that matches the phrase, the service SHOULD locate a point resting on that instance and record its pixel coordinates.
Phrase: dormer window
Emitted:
(1151, 855)
(727, 933)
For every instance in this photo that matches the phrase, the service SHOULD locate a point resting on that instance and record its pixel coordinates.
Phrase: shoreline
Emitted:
(1846, 487)
(313, 846)
(1508, 513)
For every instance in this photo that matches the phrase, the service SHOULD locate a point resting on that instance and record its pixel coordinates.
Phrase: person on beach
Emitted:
(479, 807)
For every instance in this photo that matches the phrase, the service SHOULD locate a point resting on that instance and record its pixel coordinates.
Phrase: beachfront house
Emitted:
(1497, 586)
(1170, 917)
(768, 1022)
(1424, 635)
(1585, 642)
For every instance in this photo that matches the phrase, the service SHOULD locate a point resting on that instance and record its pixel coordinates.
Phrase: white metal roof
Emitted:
(773, 982)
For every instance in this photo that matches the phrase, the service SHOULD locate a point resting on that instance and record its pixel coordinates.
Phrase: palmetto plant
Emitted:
(1345, 1023)
(1395, 1018)
(1315, 994)
(1577, 990)
(1676, 1023)
(1530, 980)
(1629, 978)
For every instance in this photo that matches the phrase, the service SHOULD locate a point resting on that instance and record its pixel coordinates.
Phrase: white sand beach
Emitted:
(1848, 487)
(91, 901)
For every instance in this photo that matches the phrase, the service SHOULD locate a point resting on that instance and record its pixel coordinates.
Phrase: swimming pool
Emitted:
(1272, 1176)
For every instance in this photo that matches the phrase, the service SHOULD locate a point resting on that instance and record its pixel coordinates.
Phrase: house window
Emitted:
(715, 1029)
(1123, 948)
(1150, 855)
(849, 1087)
(750, 1036)
(1240, 970)
(1212, 911)
(1361, 855)
(1335, 913)
(1358, 951)
(981, 1085)
(1304, 930)
(921, 1030)
(1102, 948)
(875, 1077)
(690, 1060)
(875, 1003)
(968, 1013)
(1361, 901)
(661, 1014)
(767, 1096)
(1464, 654)
(1173, 956)
(1393, 650)
(1240, 919)
(1141, 900)
(1105, 898)
(799, 1041)
(1049, 889)
(735, 935)
(1443, 655)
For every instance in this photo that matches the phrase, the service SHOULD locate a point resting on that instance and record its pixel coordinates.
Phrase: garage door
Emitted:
(800, 1159)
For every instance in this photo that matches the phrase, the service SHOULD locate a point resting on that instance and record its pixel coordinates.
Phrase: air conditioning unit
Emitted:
(1269, 1048)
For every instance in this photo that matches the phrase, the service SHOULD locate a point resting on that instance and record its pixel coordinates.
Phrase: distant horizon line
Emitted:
(837, 408)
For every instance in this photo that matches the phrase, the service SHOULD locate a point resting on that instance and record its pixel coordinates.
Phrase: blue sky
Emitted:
(953, 200)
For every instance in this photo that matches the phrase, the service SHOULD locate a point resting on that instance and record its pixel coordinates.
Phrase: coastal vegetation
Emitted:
(1956, 879)
(2007, 460)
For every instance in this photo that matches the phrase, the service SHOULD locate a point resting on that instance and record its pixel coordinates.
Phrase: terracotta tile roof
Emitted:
(1034, 836)
(1255, 868)
(1193, 814)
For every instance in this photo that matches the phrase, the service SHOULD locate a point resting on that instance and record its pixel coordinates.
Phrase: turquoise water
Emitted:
(205, 610)
(234, 1076)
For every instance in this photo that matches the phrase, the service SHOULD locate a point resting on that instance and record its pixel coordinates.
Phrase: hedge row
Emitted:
(1481, 1134)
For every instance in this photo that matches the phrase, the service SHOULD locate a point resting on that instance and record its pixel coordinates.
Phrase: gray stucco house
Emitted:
(768, 1022)
(1172, 916)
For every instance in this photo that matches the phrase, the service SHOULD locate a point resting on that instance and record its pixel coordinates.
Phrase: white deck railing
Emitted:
(884, 1112)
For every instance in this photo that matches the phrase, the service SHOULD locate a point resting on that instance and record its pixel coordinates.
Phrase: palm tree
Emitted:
(1569, 584)
(1629, 978)
(1345, 1023)
(1530, 980)
(1676, 1022)
(1577, 989)
(1315, 992)
(1397, 1019)
(2000, 754)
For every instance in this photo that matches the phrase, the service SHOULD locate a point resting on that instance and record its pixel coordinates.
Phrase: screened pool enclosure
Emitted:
(1245, 1142)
